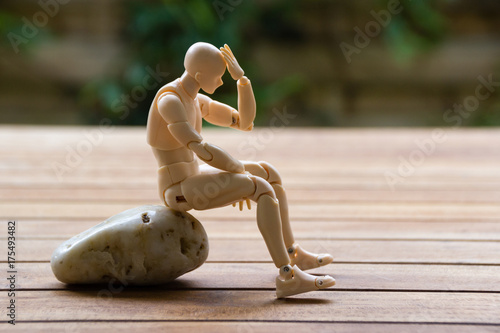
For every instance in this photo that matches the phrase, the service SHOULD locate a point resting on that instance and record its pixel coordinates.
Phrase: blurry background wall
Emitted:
(329, 63)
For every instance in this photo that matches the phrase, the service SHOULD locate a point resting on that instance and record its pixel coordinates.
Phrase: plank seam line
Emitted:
(487, 187)
(399, 219)
(317, 239)
(240, 219)
(291, 201)
(307, 239)
(139, 288)
(260, 321)
(335, 262)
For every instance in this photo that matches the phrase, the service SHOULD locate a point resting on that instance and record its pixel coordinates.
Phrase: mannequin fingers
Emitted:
(226, 47)
(226, 54)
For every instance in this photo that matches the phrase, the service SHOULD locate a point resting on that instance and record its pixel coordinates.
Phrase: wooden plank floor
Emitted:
(422, 254)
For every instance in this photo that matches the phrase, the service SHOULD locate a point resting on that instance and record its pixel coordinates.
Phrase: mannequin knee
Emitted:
(262, 187)
(273, 175)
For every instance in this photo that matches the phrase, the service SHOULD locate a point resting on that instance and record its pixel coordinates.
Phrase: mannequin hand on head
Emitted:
(232, 64)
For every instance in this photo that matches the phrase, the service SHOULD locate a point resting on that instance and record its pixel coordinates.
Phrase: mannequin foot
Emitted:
(306, 260)
(293, 281)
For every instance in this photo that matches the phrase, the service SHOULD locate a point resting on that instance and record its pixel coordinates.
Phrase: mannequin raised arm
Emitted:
(221, 114)
(224, 115)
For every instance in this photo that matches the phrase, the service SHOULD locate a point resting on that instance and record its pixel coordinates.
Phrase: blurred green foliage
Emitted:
(10, 25)
(418, 28)
(486, 116)
(160, 32)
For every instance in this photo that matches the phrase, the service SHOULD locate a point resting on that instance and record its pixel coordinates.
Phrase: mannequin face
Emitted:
(209, 83)
(210, 78)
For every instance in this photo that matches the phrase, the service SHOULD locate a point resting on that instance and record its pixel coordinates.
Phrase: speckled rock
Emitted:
(141, 246)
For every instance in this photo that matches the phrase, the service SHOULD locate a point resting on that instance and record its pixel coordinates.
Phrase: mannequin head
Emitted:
(204, 62)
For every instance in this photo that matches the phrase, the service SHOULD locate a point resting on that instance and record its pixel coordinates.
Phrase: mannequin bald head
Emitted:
(202, 55)
(205, 63)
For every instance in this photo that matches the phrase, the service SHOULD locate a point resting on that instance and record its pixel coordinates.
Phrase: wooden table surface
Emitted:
(411, 216)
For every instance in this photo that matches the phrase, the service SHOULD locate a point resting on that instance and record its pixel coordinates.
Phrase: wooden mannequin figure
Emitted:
(174, 133)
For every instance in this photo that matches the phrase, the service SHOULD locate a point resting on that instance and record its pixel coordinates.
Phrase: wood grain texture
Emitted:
(320, 306)
(295, 196)
(247, 326)
(323, 229)
(419, 255)
(355, 251)
(317, 211)
(260, 276)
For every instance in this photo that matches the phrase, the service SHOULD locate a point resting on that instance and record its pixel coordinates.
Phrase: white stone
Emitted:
(141, 246)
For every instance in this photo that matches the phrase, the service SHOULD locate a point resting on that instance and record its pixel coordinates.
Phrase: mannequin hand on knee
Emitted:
(249, 205)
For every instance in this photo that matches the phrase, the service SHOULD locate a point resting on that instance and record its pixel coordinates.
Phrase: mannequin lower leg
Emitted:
(291, 280)
(269, 223)
(300, 257)
(285, 218)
